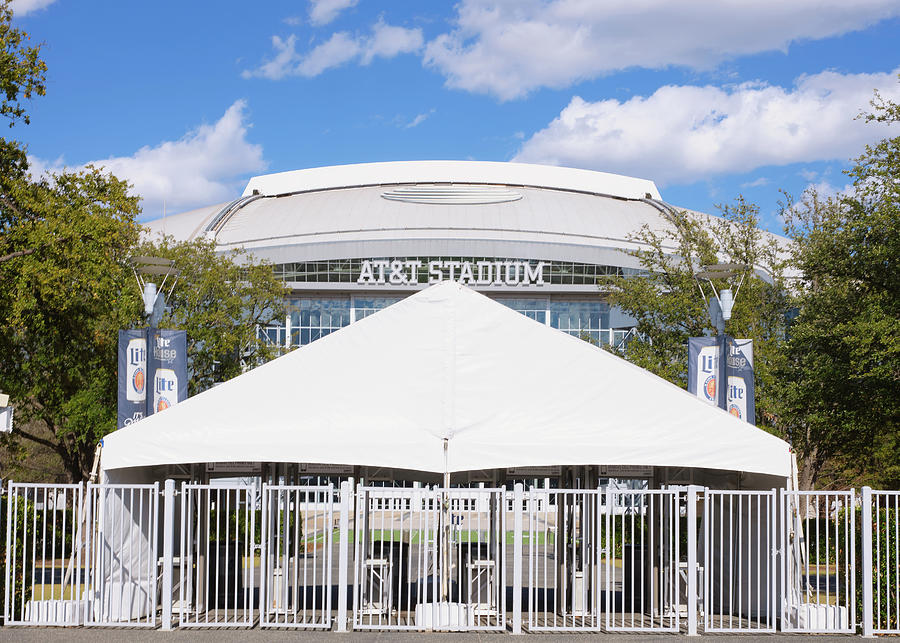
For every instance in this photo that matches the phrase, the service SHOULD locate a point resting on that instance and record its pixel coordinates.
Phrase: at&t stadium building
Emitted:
(349, 240)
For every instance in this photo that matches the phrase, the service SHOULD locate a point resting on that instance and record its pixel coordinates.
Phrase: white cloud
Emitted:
(384, 41)
(388, 41)
(321, 12)
(24, 7)
(681, 134)
(281, 63)
(204, 166)
(335, 51)
(757, 183)
(419, 119)
(510, 47)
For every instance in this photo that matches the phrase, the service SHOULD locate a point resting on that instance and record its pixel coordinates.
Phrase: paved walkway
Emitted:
(97, 635)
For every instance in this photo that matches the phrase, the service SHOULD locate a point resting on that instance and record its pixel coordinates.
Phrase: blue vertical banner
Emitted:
(741, 385)
(703, 374)
(166, 369)
(132, 375)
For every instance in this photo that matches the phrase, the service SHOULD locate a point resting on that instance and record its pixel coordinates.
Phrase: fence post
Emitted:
(692, 560)
(343, 554)
(867, 619)
(518, 498)
(168, 537)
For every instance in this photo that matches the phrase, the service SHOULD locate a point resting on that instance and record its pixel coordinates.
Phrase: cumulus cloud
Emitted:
(321, 12)
(419, 119)
(204, 166)
(510, 47)
(680, 134)
(24, 7)
(334, 52)
(384, 41)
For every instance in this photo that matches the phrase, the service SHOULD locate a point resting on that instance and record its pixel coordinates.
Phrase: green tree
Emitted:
(220, 300)
(66, 239)
(841, 402)
(21, 68)
(67, 288)
(668, 305)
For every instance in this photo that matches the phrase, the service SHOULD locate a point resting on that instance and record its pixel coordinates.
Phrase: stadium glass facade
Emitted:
(311, 317)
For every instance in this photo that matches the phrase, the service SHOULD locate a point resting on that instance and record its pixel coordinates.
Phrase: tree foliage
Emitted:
(668, 301)
(220, 300)
(21, 68)
(68, 287)
(841, 400)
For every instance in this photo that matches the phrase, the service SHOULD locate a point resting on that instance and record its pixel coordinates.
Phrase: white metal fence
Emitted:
(429, 559)
(218, 564)
(297, 556)
(740, 561)
(563, 538)
(819, 562)
(680, 559)
(645, 551)
(881, 530)
(121, 554)
(44, 576)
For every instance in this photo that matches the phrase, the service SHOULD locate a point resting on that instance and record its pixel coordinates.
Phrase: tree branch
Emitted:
(34, 438)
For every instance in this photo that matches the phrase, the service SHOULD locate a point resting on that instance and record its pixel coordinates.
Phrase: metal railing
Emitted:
(44, 546)
(553, 560)
(740, 568)
(431, 562)
(563, 538)
(297, 556)
(818, 562)
(121, 554)
(218, 556)
(644, 550)
(881, 561)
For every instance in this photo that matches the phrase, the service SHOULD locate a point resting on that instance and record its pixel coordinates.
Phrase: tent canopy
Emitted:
(448, 380)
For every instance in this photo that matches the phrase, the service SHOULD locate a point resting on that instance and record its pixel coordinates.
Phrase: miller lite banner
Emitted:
(152, 372)
(132, 376)
(703, 374)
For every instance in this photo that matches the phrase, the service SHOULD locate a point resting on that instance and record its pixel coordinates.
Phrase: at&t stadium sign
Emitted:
(396, 272)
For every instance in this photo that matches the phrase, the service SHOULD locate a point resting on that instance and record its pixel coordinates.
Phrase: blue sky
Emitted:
(710, 100)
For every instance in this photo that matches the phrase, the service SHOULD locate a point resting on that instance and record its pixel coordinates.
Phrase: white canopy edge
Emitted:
(448, 363)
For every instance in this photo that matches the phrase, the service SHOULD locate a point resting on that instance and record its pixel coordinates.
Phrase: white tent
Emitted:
(448, 380)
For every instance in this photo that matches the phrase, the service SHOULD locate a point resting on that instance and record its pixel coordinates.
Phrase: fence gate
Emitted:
(819, 565)
(44, 555)
(562, 536)
(429, 559)
(122, 561)
(740, 571)
(297, 556)
(218, 564)
(885, 547)
(643, 560)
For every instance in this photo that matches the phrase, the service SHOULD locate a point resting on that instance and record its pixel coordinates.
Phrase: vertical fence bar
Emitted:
(692, 560)
(8, 575)
(518, 497)
(168, 552)
(343, 554)
(867, 620)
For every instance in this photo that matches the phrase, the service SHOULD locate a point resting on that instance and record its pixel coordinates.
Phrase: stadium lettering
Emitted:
(381, 272)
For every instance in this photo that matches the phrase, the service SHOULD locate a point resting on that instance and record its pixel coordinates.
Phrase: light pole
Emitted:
(154, 299)
(720, 304)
